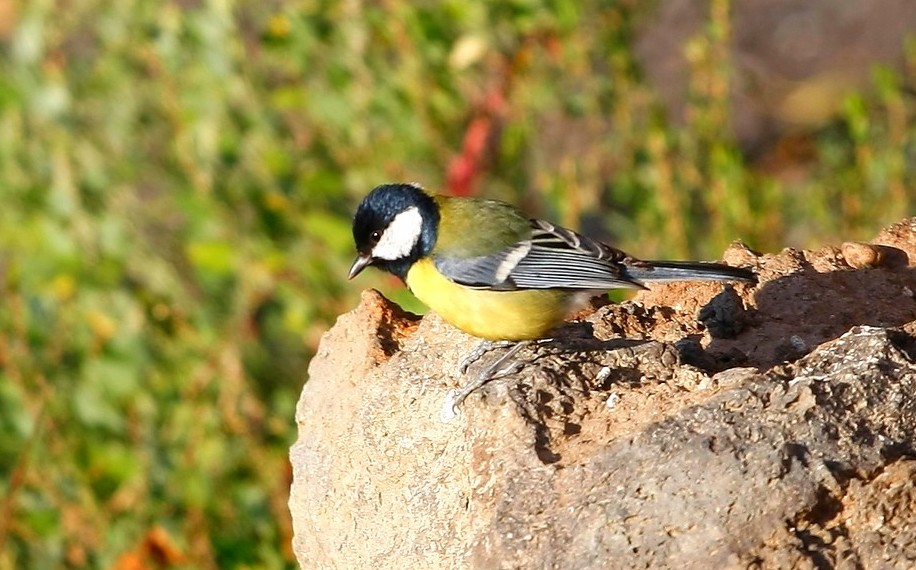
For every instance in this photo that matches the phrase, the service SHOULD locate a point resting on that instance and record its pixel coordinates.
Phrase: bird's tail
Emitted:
(648, 271)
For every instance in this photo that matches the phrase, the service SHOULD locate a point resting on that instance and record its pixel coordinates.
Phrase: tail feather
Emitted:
(649, 271)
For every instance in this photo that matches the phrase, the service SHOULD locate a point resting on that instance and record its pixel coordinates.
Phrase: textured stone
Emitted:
(781, 434)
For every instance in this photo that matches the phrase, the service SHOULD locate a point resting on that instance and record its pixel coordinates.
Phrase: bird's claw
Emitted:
(454, 398)
(481, 349)
(449, 407)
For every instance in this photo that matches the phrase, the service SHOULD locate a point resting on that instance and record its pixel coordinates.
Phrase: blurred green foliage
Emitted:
(177, 179)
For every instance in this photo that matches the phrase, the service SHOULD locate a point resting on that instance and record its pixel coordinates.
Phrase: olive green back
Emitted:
(471, 227)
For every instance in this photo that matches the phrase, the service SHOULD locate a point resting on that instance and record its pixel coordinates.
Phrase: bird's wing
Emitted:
(551, 258)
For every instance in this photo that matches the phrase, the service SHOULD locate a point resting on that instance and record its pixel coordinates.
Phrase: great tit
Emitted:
(492, 271)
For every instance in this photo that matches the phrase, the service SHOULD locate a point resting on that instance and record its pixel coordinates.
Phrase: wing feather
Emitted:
(553, 258)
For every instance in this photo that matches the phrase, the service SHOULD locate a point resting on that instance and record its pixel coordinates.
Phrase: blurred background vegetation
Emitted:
(177, 179)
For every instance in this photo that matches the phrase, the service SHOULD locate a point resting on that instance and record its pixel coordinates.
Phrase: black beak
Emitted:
(361, 263)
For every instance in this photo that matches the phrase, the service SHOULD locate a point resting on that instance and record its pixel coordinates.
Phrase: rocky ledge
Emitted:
(695, 426)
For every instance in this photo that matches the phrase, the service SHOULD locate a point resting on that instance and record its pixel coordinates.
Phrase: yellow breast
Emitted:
(492, 315)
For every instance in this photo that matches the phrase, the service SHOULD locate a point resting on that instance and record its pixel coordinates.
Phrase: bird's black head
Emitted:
(394, 226)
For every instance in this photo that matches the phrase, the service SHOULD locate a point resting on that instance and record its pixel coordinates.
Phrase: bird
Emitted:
(495, 273)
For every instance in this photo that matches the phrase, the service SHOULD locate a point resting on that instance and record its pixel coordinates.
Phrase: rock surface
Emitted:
(696, 426)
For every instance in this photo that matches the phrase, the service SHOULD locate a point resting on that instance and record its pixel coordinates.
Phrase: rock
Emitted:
(779, 434)
(861, 255)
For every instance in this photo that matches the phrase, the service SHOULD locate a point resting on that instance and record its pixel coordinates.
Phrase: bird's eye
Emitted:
(375, 236)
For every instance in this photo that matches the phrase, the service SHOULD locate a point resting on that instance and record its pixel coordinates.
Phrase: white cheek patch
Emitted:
(400, 236)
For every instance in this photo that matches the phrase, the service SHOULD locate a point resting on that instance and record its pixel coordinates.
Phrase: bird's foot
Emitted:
(454, 398)
(481, 349)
